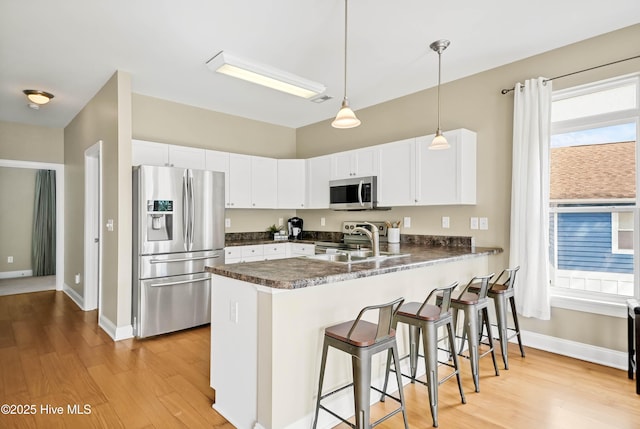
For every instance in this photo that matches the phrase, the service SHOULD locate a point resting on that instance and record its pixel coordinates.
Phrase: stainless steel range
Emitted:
(352, 239)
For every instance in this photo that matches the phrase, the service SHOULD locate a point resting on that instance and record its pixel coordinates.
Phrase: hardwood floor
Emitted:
(53, 354)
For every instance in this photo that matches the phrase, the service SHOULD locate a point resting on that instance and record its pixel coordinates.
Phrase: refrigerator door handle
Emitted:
(200, 258)
(181, 282)
(192, 209)
(185, 212)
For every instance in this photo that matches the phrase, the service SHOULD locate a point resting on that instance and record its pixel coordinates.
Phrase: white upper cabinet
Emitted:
(264, 182)
(186, 157)
(447, 176)
(219, 161)
(291, 183)
(239, 181)
(397, 175)
(355, 163)
(151, 153)
(318, 176)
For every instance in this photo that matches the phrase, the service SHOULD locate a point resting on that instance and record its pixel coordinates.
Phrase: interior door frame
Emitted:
(59, 169)
(92, 227)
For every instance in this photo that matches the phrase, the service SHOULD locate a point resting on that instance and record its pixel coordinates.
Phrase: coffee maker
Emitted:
(295, 228)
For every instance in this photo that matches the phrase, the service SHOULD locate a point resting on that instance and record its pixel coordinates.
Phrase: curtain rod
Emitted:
(506, 91)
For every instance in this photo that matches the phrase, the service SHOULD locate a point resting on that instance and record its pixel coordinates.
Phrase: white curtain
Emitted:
(530, 197)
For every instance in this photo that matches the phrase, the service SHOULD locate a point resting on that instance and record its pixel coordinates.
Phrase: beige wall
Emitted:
(106, 117)
(169, 122)
(31, 143)
(17, 194)
(476, 103)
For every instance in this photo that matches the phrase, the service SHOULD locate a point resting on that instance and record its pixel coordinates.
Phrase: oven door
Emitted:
(352, 194)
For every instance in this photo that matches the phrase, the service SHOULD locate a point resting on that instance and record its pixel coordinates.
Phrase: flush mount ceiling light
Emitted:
(38, 97)
(439, 142)
(345, 118)
(264, 75)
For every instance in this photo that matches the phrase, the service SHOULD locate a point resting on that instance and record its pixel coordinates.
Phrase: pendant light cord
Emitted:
(345, 50)
(439, 75)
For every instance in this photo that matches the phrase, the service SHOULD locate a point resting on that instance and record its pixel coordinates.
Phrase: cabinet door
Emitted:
(186, 157)
(239, 181)
(366, 162)
(342, 165)
(219, 161)
(397, 174)
(447, 176)
(149, 153)
(264, 182)
(291, 183)
(318, 176)
(354, 163)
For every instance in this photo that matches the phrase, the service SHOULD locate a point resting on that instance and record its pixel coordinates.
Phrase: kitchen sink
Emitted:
(355, 256)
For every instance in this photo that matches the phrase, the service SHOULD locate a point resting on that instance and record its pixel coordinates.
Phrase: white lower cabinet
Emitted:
(263, 252)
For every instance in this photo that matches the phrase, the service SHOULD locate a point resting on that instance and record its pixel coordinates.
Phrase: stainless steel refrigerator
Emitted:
(178, 228)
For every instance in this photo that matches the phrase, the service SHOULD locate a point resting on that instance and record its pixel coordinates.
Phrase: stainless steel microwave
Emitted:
(357, 193)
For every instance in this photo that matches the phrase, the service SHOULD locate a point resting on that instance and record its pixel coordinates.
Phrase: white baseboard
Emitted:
(75, 296)
(117, 333)
(15, 274)
(574, 349)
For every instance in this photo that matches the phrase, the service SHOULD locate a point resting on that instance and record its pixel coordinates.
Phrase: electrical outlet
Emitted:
(445, 221)
(484, 223)
(110, 225)
(10, 259)
(280, 222)
(227, 223)
(323, 221)
(407, 222)
(473, 224)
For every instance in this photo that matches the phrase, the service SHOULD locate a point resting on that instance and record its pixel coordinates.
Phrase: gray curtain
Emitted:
(43, 255)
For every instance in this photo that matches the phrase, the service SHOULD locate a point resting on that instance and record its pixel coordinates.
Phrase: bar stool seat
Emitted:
(474, 306)
(503, 294)
(426, 318)
(362, 339)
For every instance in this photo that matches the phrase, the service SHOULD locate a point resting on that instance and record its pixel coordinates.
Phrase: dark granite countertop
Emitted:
(300, 272)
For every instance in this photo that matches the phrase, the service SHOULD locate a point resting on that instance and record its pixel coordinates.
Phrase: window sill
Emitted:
(614, 307)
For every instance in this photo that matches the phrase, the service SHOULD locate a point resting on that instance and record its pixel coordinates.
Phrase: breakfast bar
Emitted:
(268, 317)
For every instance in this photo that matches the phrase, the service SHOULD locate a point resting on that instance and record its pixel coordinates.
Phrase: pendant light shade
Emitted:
(345, 118)
(439, 141)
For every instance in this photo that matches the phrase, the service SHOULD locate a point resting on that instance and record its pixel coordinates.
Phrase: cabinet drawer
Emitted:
(279, 249)
(232, 253)
(302, 249)
(252, 251)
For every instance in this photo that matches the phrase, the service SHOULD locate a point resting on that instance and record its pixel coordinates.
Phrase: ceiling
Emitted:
(72, 47)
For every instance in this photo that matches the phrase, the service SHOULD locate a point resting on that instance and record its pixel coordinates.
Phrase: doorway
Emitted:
(59, 192)
(92, 227)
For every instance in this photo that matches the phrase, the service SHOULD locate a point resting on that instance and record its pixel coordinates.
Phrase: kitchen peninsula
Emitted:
(268, 317)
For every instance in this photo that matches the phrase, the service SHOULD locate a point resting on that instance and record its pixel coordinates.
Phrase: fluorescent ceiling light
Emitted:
(264, 75)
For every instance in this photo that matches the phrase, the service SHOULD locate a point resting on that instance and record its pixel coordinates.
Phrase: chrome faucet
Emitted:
(373, 235)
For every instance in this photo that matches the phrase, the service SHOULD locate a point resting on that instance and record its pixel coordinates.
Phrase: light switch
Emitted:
(484, 223)
(233, 311)
(323, 221)
(474, 223)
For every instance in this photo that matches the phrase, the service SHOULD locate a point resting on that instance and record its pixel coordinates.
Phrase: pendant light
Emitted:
(345, 118)
(439, 141)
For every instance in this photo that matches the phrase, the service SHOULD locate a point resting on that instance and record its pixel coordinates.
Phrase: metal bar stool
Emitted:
(633, 338)
(362, 340)
(427, 318)
(503, 293)
(474, 306)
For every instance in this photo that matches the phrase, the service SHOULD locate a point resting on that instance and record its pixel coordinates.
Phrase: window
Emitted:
(593, 198)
